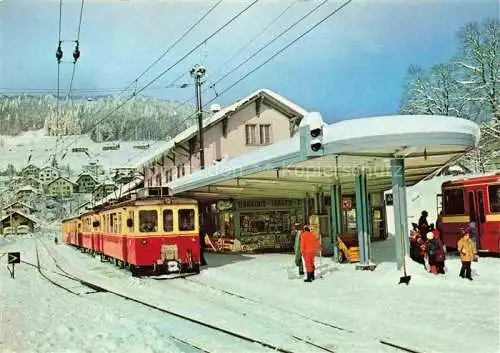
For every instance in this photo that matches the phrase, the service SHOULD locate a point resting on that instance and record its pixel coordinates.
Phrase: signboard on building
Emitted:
(389, 200)
(267, 203)
(347, 203)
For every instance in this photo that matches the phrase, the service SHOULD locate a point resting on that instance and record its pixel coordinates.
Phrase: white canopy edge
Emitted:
(348, 136)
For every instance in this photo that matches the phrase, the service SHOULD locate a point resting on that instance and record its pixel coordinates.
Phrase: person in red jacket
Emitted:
(309, 246)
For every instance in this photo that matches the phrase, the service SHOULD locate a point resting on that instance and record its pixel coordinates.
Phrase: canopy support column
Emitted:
(336, 214)
(400, 210)
(362, 220)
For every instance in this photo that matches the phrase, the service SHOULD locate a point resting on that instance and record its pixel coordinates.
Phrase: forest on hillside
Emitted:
(104, 118)
(466, 86)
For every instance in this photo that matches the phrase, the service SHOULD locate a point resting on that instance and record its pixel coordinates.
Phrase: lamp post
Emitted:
(197, 72)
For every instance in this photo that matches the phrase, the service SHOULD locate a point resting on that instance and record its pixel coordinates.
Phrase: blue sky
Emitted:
(352, 65)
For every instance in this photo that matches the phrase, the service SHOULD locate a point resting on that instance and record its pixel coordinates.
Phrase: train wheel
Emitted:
(196, 268)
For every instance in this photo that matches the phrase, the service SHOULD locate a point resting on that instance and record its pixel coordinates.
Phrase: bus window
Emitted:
(494, 196)
(472, 207)
(453, 201)
(168, 221)
(186, 219)
(148, 221)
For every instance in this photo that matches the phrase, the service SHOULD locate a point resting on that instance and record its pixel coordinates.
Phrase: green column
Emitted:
(400, 213)
(362, 217)
(336, 216)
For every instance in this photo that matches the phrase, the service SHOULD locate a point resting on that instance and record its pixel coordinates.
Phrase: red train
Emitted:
(148, 236)
(472, 200)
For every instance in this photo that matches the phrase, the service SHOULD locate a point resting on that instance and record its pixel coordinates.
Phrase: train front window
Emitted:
(186, 219)
(494, 196)
(453, 202)
(168, 221)
(148, 221)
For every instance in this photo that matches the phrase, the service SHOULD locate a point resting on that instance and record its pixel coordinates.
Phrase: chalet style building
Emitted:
(257, 120)
(86, 183)
(61, 187)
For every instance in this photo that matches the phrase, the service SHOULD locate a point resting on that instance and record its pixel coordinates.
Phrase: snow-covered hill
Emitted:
(17, 151)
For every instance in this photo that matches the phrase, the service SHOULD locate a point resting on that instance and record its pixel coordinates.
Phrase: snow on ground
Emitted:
(16, 151)
(39, 317)
(433, 314)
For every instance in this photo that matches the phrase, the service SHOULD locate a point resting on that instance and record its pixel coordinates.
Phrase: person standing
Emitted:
(423, 225)
(298, 255)
(467, 252)
(309, 246)
(201, 237)
(431, 252)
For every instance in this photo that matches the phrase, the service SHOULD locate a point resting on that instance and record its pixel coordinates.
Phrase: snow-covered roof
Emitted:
(61, 178)
(376, 137)
(223, 113)
(85, 174)
(16, 203)
(124, 190)
(26, 188)
(21, 214)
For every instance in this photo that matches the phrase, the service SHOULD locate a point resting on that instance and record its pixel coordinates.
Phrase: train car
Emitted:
(148, 236)
(472, 200)
(70, 230)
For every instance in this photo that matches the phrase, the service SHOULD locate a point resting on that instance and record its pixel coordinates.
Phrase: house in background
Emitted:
(30, 170)
(17, 223)
(86, 183)
(60, 187)
(25, 193)
(257, 120)
(103, 190)
(33, 182)
(48, 174)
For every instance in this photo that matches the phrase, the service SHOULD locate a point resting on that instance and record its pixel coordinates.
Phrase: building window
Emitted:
(265, 134)
(453, 202)
(494, 196)
(148, 221)
(168, 221)
(181, 170)
(158, 180)
(224, 128)
(168, 175)
(251, 134)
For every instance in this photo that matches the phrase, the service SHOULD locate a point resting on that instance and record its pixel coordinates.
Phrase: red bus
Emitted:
(472, 200)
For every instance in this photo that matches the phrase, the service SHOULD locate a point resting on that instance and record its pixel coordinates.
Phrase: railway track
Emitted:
(67, 282)
(224, 291)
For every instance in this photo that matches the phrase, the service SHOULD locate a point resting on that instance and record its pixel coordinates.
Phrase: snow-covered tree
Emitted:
(468, 86)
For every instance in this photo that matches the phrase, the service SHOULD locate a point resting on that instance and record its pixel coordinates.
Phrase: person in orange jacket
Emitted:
(309, 246)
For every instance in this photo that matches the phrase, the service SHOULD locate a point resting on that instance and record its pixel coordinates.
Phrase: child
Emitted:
(467, 252)
(431, 252)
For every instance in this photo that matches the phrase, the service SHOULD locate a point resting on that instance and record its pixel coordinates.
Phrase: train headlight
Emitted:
(144, 241)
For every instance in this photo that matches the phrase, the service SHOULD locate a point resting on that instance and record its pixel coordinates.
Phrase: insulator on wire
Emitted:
(59, 53)
(76, 52)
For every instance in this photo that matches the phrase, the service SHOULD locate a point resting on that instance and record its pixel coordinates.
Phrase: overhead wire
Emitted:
(107, 116)
(76, 53)
(253, 55)
(332, 13)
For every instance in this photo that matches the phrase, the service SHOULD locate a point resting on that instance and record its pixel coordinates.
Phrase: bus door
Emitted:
(477, 215)
(481, 221)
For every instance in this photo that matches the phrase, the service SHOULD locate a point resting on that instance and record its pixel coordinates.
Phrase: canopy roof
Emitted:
(426, 143)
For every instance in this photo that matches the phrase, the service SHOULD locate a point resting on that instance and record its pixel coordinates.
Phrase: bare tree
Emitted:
(480, 65)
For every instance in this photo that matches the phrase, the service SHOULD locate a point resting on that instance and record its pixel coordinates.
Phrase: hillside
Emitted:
(34, 147)
(140, 119)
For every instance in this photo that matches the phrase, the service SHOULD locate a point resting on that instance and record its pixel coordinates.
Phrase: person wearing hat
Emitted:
(467, 252)
(423, 225)
(298, 255)
(431, 247)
